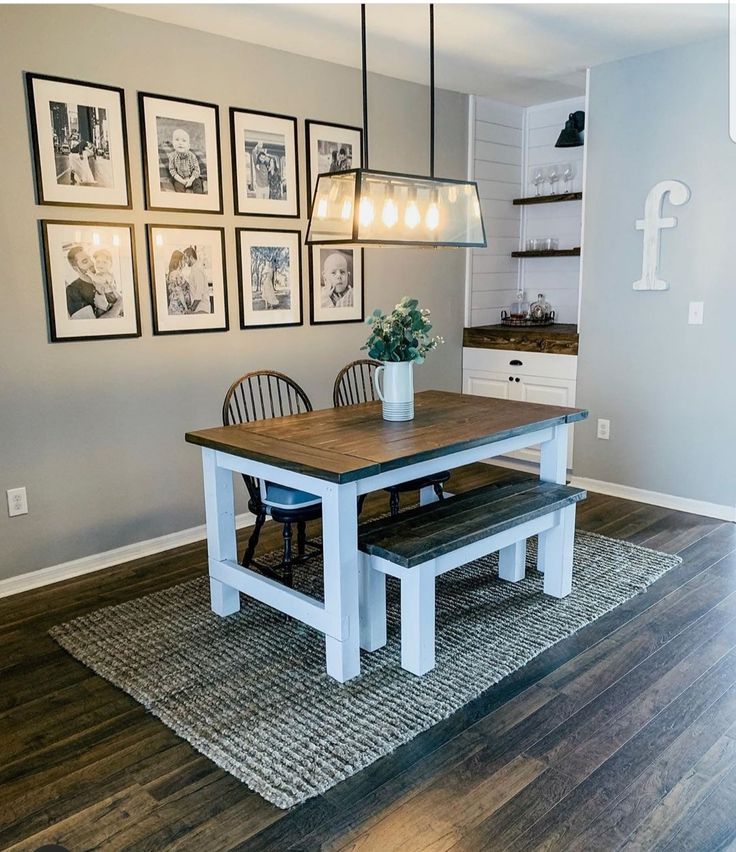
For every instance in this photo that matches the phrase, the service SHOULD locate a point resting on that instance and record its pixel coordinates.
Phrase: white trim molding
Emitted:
(109, 559)
(655, 498)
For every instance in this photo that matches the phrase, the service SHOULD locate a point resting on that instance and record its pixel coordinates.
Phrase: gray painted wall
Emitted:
(667, 387)
(95, 430)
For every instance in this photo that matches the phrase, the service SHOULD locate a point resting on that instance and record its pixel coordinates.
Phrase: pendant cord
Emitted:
(431, 89)
(365, 85)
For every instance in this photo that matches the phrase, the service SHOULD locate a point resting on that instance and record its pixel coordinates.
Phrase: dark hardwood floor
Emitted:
(623, 736)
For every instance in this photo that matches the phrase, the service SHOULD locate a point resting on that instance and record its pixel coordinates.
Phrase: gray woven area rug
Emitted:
(250, 691)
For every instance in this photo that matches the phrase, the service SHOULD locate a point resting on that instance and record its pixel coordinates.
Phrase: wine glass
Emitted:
(568, 173)
(553, 176)
(538, 178)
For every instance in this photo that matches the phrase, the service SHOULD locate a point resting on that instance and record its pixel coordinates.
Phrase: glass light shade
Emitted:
(366, 207)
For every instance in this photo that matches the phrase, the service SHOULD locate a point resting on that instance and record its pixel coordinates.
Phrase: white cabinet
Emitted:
(526, 376)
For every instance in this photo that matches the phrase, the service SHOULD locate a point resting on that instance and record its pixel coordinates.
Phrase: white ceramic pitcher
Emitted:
(397, 393)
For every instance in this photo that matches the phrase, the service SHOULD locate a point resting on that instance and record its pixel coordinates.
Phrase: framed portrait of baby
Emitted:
(265, 163)
(180, 140)
(331, 148)
(91, 285)
(270, 277)
(336, 284)
(188, 280)
(79, 142)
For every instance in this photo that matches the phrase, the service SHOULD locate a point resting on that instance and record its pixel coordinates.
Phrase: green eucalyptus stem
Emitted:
(403, 335)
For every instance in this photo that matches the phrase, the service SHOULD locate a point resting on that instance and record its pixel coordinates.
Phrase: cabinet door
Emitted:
(545, 391)
(484, 383)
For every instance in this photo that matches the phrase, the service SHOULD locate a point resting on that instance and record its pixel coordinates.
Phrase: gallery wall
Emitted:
(666, 386)
(95, 429)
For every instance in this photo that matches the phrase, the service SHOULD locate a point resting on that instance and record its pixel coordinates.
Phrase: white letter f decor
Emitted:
(652, 223)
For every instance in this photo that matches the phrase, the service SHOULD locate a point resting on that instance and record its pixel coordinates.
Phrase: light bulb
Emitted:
(347, 209)
(432, 220)
(390, 213)
(366, 212)
(322, 208)
(412, 216)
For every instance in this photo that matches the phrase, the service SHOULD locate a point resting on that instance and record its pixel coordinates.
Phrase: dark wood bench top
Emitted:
(430, 531)
(353, 442)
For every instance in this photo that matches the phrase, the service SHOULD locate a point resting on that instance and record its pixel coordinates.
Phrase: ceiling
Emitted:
(520, 53)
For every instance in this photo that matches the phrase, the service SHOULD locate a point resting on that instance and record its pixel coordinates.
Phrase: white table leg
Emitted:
(417, 619)
(553, 461)
(340, 549)
(372, 605)
(512, 562)
(556, 553)
(219, 505)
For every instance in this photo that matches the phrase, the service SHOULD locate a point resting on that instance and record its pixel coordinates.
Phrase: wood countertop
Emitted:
(559, 339)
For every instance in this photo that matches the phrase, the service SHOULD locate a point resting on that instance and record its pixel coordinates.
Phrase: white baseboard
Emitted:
(655, 498)
(98, 561)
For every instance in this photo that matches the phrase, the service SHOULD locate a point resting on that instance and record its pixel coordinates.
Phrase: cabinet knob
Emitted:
(516, 363)
(511, 378)
(517, 379)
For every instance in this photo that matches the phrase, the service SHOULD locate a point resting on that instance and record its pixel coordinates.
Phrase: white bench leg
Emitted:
(372, 605)
(512, 561)
(556, 552)
(417, 619)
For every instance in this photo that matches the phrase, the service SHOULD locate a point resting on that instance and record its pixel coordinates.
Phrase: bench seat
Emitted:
(422, 543)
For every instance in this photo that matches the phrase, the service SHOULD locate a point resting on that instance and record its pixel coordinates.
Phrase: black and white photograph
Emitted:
(331, 148)
(270, 277)
(79, 142)
(90, 280)
(188, 282)
(265, 163)
(336, 284)
(181, 154)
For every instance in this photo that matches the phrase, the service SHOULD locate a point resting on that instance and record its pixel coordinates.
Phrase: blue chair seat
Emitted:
(288, 498)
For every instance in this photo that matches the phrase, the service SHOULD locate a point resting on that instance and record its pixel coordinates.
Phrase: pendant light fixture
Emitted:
(572, 133)
(369, 207)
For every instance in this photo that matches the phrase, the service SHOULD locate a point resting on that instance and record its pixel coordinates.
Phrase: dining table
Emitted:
(340, 454)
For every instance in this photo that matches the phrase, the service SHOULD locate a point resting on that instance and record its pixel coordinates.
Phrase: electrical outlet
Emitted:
(604, 429)
(695, 313)
(17, 502)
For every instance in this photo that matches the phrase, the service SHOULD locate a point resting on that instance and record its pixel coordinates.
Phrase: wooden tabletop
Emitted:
(353, 442)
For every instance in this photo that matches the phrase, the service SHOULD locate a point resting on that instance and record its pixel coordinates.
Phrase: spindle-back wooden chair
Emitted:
(354, 384)
(263, 395)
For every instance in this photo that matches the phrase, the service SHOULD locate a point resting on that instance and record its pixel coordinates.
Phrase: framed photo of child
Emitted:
(270, 277)
(336, 284)
(331, 148)
(181, 154)
(79, 142)
(188, 280)
(91, 285)
(265, 163)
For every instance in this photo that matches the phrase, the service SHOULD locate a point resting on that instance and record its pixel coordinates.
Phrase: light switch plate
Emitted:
(695, 313)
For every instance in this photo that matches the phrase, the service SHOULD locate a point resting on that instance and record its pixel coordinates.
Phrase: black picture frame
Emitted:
(309, 124)
(44, 195)
(158, 329)
(51, 304)
(240, 209)
(313, 320)
(241, 280)
(148, 192)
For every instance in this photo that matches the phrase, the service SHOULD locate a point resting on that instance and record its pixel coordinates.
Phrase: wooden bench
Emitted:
(423, 543)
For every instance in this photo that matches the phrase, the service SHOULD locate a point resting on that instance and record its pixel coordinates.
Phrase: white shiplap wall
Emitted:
(508, 140)
(498, 144)
(557, 277)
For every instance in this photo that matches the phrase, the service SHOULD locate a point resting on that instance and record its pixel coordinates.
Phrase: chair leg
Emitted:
(253, 540)
(287, 570)
(439, 491)
(394, 503)
(301, 538)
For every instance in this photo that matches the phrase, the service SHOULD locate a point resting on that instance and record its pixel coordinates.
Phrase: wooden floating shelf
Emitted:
(549, 199)
(573, 252)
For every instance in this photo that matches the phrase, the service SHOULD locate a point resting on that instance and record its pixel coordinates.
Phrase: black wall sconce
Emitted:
(571, 133)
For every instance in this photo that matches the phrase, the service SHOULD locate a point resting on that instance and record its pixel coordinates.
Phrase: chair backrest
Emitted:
(354, 383)
(262, 395)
